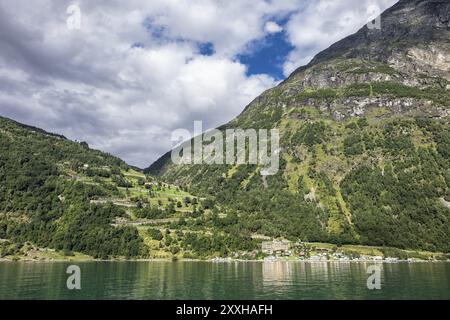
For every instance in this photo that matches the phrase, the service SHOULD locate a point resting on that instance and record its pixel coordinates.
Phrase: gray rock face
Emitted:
(414, 38)
(344, 108)
(412, 49)
(326, 76)
(408, 24)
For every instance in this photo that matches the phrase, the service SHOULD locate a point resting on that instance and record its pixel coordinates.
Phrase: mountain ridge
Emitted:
(368, 111)
(443, 16)
(438, 14)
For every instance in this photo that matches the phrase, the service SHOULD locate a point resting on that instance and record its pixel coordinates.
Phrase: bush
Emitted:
(155, 234)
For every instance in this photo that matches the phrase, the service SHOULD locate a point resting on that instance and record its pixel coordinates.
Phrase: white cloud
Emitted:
(94, 85)
(323, 22)
(272, 27)
(229, 25)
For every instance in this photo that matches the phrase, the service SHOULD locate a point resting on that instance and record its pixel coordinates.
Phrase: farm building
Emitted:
(275, 246)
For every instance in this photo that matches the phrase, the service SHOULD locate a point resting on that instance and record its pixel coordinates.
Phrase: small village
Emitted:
(285, 250)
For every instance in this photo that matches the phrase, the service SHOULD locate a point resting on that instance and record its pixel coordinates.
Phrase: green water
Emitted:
(234, 280)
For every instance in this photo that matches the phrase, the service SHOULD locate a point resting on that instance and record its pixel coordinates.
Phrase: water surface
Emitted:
(233, 280)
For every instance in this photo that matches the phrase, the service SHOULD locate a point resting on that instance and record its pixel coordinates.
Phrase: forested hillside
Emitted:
(42, 201)
(365, 142)
(59, 199)
(364, 160)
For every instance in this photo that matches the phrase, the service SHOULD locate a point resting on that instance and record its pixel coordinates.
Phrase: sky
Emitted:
(127, 74)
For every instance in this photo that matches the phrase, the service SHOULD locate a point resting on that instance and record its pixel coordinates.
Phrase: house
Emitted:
(275, 247)
(323, 250)
(377, 258)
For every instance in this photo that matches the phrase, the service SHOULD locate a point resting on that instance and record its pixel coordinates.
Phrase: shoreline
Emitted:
(2, 260)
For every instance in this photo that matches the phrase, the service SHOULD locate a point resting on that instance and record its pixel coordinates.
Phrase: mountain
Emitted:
(44, 201)
(61, 200)
(365, 143)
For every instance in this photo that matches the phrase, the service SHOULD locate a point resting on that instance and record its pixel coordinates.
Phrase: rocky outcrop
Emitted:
(408, 24)
(412, 49)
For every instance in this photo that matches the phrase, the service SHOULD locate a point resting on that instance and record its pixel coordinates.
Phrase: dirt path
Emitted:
(141, 222)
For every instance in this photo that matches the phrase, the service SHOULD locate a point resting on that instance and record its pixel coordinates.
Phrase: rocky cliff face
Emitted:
(364, 127)
(414, 34)
(411, 50)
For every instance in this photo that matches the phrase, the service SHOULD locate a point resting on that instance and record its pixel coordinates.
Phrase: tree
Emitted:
(155, 234)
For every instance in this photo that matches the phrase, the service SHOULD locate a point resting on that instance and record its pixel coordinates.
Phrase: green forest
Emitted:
(41, 203)
(376, 182)
(364, 181)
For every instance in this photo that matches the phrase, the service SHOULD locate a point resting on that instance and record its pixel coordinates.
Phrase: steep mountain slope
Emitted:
(44, 201)
(61, 200)
(365, 143)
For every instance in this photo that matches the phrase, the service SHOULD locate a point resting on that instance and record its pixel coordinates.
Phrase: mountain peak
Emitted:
(408, 24)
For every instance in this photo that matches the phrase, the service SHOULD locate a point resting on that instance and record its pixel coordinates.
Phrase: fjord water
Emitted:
(232, 280)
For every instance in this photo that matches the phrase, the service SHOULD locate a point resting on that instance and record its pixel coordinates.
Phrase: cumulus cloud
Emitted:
(273, 27)
(133, 73)
(321, 23)
(135, 70)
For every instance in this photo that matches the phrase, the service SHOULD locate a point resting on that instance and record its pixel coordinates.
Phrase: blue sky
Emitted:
(268, 56)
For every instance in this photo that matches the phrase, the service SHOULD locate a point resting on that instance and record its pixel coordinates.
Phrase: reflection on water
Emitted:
(277, 273)
(233, 280)
(317, 279)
